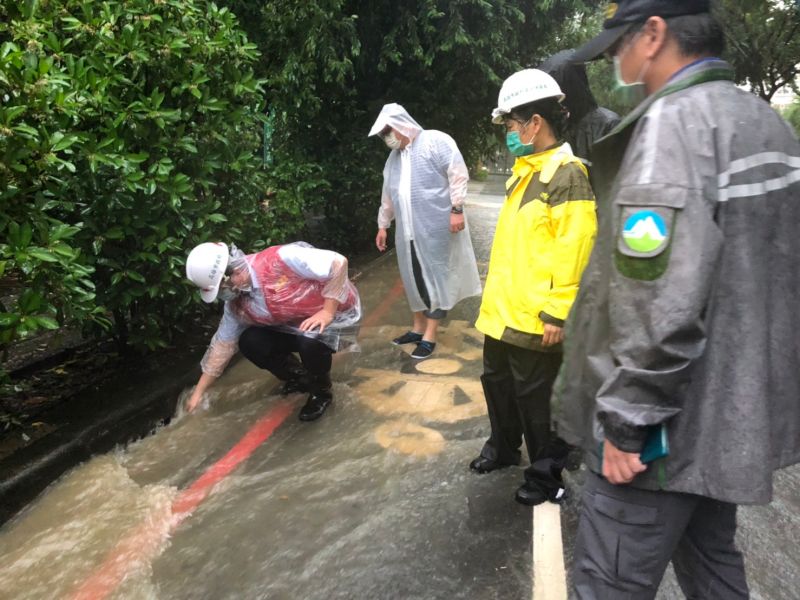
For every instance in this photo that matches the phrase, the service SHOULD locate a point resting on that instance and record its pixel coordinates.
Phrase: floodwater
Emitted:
(372, 501)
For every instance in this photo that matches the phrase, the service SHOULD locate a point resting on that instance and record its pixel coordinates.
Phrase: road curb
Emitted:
(94, 428)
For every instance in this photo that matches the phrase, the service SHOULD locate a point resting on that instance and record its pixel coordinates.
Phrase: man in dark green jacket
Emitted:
(686, 321)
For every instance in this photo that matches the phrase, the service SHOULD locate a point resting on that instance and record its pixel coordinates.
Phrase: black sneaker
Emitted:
(409, 337)
(423, 350)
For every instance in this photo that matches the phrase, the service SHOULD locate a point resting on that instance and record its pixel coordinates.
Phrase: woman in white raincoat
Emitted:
(424, 188)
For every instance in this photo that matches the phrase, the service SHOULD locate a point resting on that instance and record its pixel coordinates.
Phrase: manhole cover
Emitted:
(438, 366)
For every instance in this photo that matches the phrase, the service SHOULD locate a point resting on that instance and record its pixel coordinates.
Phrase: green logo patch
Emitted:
(645, 232)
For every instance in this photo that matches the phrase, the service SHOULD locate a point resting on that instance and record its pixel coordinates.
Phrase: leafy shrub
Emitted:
(129, 131)
(481, 174)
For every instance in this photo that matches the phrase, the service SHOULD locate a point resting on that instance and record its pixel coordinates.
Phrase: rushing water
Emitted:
(345, 507)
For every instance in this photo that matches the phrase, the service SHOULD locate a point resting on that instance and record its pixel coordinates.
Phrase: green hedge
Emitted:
(129, 131)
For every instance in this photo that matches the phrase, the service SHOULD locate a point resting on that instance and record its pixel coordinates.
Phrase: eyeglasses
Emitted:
(226, 277)
(508, 122)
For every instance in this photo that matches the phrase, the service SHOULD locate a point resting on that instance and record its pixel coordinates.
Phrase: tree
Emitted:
(586, 23)
(763, 39)
(792, 115)
(330, 65)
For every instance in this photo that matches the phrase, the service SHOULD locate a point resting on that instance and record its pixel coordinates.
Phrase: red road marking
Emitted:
(383, 308)
(144, 542)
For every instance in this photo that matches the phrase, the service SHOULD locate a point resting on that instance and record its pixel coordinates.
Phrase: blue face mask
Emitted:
(515, 145)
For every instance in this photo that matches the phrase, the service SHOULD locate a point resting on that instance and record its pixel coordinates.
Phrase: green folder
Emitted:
(656, 444)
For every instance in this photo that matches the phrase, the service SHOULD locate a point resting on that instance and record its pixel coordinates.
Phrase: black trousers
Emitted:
(273, 350)
(419, 280)
(627, 536)
(517, 383)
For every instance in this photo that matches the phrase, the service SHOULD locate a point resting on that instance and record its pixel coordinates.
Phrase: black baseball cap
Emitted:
(619, 16)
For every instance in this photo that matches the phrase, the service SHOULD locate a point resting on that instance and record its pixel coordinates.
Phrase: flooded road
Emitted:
(373, 501)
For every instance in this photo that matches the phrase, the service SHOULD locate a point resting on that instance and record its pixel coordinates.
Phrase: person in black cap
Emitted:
(586, 121)
(679, 376)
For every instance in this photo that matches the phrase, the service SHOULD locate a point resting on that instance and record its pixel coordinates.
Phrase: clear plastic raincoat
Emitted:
(421, 183)
(289, 284)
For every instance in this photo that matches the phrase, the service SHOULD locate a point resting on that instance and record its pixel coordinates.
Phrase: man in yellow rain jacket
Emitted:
(542, 243)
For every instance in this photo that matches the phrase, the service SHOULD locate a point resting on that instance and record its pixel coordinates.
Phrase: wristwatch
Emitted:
(457, 210)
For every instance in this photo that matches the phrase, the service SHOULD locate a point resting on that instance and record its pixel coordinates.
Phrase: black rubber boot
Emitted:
(543, 482)
(482, 465)
(319, 399)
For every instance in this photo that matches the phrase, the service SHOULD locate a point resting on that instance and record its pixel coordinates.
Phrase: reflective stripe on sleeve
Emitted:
(757, 160)
(747, 190)
(756, 188)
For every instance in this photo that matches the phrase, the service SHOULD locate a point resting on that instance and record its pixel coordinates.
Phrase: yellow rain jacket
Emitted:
(544, 235)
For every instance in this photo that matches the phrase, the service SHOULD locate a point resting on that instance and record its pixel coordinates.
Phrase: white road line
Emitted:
(549, 576)
(497, 204)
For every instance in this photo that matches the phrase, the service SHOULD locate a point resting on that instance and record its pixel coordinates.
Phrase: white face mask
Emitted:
(391, 140)
(635, 92)
(226, 293)
(229, 292)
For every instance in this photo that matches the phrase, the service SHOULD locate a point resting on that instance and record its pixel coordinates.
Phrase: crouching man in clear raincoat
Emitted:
(283, 300)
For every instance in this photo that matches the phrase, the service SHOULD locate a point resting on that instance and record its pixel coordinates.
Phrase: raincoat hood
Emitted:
(572, 79)
(396, 117)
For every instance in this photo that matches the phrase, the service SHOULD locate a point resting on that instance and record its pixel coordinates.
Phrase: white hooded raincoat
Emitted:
(421, 183)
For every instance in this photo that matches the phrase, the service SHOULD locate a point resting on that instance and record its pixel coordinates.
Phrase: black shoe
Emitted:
(531, 494)
(423, 350)
(293, 386)
(486, 465)
(315, 406)
(409, 337)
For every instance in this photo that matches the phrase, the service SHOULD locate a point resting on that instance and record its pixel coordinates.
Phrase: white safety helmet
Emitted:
(206, 266)
(524, 87)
